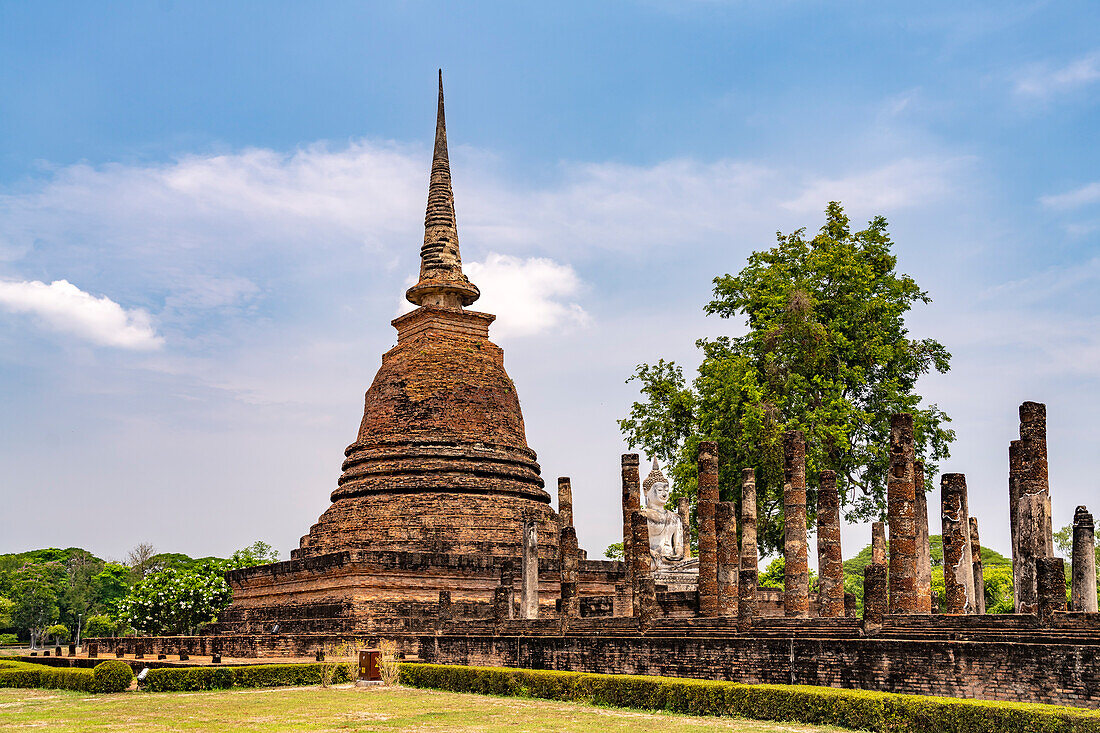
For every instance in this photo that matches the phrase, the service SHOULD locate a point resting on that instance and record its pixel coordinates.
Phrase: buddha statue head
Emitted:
(656, 488)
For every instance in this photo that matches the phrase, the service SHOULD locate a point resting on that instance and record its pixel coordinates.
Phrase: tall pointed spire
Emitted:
(442, 283)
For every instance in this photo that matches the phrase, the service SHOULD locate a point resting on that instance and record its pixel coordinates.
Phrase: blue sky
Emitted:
(233, 196)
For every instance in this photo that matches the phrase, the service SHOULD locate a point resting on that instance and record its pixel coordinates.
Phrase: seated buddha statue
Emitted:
(666, 531)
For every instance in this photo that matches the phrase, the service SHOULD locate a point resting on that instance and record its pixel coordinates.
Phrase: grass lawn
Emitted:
(338, 709)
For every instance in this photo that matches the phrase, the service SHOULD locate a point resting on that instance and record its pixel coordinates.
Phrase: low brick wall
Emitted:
(1012, 669)
(273, 646)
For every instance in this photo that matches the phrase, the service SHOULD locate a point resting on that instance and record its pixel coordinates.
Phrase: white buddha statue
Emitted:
(666, 531)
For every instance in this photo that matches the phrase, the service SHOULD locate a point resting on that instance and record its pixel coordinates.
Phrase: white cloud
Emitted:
(904, 183)
(1042, 81)
(64, 307)
(1083, 196)
(528, 296)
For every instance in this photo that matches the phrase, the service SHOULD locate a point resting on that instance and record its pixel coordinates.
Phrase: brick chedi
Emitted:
(441, 462)
(439, 489)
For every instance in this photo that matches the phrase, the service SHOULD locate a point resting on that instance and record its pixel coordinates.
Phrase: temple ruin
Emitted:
(440, 535)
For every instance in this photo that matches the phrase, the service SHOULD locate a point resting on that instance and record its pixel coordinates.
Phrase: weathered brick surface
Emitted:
(644, 591)
(1051, 577)
(830, 561)
(1083, 580)
(796, 577)
(924, 547)
(570, 573)
(748, 576)
(874, 594)
(725, 522)
(632, 502)
(878, 543)
(1029, 492)
(901, 516)
(958, 565)
(708, 540)
(1007, 664)
(979, 572)
(565, 501)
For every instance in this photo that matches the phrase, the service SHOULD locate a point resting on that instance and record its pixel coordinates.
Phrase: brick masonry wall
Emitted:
(995, 670)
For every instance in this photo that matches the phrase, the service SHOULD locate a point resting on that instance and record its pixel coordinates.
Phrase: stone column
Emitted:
(924, 547)
(529, 600)
(746, 587)
(874, 596)
(708, 541)
(958, 566)
(1029, 488)
(644, 590)
(796, 576)
(443, 613)
(901, 516)
(570, 573)
(502, 603)
(565, 501)
(830, 570)
(1051, 576)
(878, 543)
(683, 508)
(979, 573)
(1083, 581)
(849, 605)
(632, 502)
(725, 523)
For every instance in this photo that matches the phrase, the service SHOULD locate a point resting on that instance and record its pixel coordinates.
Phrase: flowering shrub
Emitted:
(175, 601)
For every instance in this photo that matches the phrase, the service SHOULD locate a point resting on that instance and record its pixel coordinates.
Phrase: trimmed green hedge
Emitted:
(858, 709)
(112, 676)
(178, 679)
(24, 674)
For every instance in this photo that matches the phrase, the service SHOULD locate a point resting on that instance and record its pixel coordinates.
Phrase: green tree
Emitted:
(58, 632)
(109, 586)
(99, 625)
(827, 352)
(76, 594)
(258, 553)
(614, 551)
(774, 575)
(35, 595)
(175, 601)
(6, 608)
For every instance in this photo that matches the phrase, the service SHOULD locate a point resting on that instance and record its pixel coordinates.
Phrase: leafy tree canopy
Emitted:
(826, 352)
